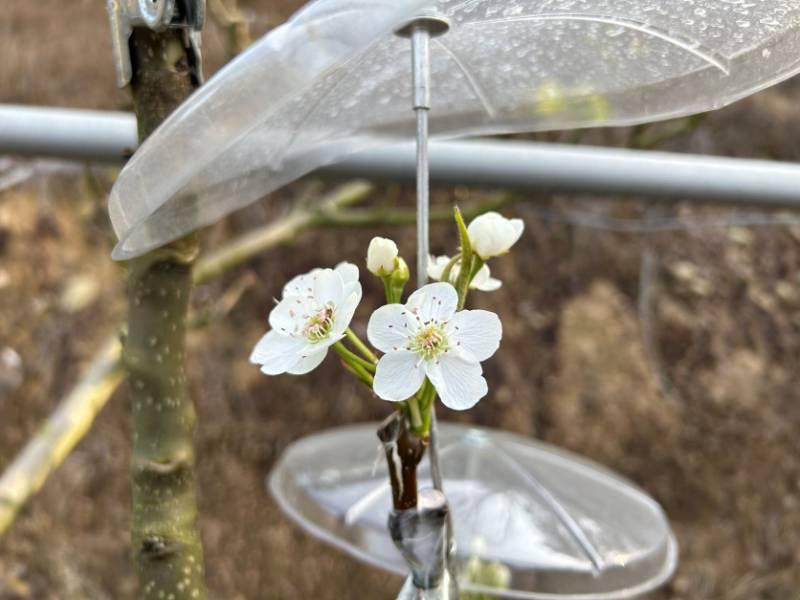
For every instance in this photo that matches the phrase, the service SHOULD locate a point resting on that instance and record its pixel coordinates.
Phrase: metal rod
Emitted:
(421, 66)
(421, 60)
(524, 166)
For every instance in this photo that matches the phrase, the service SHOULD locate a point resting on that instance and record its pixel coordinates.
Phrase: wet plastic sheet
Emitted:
(335, 80)
(543, 522)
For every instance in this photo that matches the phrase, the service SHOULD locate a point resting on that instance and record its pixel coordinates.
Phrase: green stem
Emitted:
(389, 290)
(167, 549)
(359, 373)
(352, 358)
(361, 346)
(448, 270)
(426, 396)
(417, 422)
(464, 279)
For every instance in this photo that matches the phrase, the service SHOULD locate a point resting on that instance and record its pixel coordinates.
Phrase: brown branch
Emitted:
(404, 451)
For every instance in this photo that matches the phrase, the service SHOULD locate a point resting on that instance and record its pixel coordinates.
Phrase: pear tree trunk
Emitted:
(166, 545)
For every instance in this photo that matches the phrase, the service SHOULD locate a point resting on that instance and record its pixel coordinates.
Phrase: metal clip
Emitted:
(157, 15)
(420, 535)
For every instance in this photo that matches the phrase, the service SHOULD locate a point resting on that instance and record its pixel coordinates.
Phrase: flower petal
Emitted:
(390, 326)
(517, 228)
(302, 285)
(476, 333)
(489, 285)
(328, 288)
(348, 272)
(345, 311)
(399, 375)
(484, 281)
(309, 362)
(289, 316)
(435, 301)
(436, 266)
(277, 353)
(460, 384)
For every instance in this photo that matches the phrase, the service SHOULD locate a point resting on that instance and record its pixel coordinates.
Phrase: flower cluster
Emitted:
(430, 345)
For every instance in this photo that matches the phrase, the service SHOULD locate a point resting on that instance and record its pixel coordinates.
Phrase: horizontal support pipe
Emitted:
(85, 135)
(527, 166)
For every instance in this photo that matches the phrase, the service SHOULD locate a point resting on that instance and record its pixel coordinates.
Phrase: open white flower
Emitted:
(381, 256)
(482, 281)
(427, 337)
(492, 234)
(315, 311)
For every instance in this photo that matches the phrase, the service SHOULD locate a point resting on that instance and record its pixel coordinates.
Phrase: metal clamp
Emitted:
(158, 15)
(420, 535)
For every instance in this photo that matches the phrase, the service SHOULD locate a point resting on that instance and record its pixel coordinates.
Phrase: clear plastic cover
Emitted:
(335, 80)
(531, 521)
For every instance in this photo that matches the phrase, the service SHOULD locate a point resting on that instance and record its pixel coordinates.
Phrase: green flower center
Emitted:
(429, 342)
(319, 325)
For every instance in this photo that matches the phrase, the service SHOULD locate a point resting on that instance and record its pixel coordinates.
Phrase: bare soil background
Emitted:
(697, 402)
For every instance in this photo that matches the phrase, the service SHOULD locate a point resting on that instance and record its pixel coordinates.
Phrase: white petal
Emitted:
(390, 327)
(476, 334)
(302, 285)
(435, 301)
(490, 285)
(492, 234)
(398, 376)
(517, 227)
(309, 362)
(348, 272)
(289, 316)
(345, 311)
(460, 384)
(436, 266)
(484, 282)
(277, 353)
(328, 287)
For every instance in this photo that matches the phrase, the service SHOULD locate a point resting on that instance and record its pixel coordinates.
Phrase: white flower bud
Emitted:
(492, 234)
(381, 256)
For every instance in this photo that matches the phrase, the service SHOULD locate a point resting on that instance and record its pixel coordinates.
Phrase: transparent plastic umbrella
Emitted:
(335, 80)
(530, 520)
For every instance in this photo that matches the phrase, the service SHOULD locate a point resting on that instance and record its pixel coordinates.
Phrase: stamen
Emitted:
(319, 325)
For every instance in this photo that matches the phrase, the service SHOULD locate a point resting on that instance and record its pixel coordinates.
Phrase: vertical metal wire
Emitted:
(420, 51)
(421, 60)
(420, 44)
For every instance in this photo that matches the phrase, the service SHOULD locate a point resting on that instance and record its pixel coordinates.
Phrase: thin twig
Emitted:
(62, 431)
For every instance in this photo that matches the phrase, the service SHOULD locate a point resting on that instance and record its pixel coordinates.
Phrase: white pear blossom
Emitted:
(427, 337)
(492, 234)
(381, 256)
(483, 280)
(314, 313)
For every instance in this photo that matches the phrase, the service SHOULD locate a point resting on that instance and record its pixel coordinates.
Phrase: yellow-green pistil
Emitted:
(319, 325)
(429, 342)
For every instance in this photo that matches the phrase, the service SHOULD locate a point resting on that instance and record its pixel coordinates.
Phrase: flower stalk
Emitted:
(361, 347)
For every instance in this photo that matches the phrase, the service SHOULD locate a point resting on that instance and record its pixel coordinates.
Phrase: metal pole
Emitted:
(421, 66)
(524, 166)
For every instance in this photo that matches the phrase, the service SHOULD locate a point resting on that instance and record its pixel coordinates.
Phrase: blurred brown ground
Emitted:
(699, 406)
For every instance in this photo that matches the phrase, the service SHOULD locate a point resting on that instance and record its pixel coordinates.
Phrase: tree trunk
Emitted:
(167, 549)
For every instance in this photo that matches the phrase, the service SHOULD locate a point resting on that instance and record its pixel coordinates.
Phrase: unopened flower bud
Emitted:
(492, 234)
(382, 256)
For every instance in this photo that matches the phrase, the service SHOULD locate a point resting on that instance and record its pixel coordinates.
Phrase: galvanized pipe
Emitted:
(65, 133)
(525, 166)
